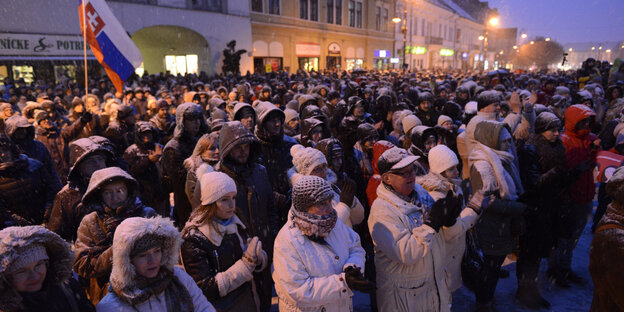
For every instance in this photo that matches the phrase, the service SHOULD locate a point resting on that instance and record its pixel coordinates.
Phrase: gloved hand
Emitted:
(86, 117)
(439, 212)
(479, 201)
(250, 256)
(455, 205)
(356, 281)
(347, 192)
(262, 257)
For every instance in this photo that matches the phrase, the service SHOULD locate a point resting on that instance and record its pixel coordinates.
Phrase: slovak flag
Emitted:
(109, 41)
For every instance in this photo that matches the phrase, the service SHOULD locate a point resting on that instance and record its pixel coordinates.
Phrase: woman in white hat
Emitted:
(217, 252)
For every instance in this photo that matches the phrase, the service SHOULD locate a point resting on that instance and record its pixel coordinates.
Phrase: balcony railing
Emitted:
(434, 40)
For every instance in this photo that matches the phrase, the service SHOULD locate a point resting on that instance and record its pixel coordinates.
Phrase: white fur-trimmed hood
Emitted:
(123, 275)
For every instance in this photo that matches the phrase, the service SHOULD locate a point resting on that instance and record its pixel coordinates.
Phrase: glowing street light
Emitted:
(570, 49)
(593, 48)
(396, 20)
(547, 39)
(494, 21)
(600, 48)
(525, 35)
(501, 52)
(532, 42)
(481, 38)
(608, 51)
(515, 47)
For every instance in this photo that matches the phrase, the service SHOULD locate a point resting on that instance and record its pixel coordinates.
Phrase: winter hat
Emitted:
(409, 122)
(290, 114)
(443, 118)
(124, 111)
(41, 115)
(27, 255)
(561, 90)
(546, 121)
(145, 243)
(615, 186)
(366, 131)
(215, 185)
(305, 159)
(471, 108)
(487, 98)
(309, 191)
(441, 158)
(395, 159)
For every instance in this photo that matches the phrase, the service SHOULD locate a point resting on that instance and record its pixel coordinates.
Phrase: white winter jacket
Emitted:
(309, 276)
(410, 257)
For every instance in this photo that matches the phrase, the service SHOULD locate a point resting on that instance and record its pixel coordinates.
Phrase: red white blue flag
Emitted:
(109, 41)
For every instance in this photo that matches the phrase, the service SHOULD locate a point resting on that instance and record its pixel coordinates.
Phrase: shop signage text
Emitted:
(45, 45)
(308, 49)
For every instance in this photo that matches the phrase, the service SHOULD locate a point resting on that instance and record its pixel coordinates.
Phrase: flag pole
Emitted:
(84, 38)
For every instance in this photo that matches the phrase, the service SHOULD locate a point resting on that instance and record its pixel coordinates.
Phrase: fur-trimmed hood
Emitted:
(433, 182)
(61, 259)
(123, 275)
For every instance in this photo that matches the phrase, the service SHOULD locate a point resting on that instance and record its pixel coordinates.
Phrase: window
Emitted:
(415, 28)
(181, 64)
(385, 21)
(377, 18)
(314, 10)
(422, 29)
(308, 9)
(330, 11)
(274, 7)
(444, 33)
(352, 13)
(207, 5)
(338, 12)
(256, 5)
(458, 35)
(439, 30)
(358, 14)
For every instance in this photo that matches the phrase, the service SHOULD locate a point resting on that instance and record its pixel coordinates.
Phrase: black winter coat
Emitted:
(174, 175)
(152, 191)
(58, 298)
(203, 260)
(57, 142)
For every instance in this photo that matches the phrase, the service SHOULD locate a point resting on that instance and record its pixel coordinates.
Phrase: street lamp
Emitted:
(395, 20)
(493, 21)
(481, 37)
(547, 39)
(532, 42)
(524, 36)
(570, 49)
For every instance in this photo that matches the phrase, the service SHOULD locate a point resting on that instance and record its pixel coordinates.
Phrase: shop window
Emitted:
(64, 73)
(354, 63)
(24, 71)
(181, 64)
(256, 5)
(4, 72)
(308, 63)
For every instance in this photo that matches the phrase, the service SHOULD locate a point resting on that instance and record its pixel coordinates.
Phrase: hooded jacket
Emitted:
(123, 278)
(120, 133)
(66, 212)
(60, 292)
(578, 150)
(306, 127)
(309, 276)
(93, 247)
(151, 188)
(255, 203)
(176, 151)
(34, 149)
(275, 157)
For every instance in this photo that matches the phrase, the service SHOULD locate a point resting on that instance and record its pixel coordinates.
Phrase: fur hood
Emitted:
(433, 182)
(123, 275)
(14, 238)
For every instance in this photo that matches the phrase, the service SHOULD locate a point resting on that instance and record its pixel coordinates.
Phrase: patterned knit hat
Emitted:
(306, 159)
(145, 243)
(215, 185)
(27, 255)
(309, 191)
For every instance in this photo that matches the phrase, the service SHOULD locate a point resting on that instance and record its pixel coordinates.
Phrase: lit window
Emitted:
(182, 64)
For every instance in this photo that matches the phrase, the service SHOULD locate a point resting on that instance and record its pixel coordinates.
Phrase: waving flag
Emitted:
(109, 42)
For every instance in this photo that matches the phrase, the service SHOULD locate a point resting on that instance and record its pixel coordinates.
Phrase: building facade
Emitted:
(321, 34)
(41, 39)
(439, 34)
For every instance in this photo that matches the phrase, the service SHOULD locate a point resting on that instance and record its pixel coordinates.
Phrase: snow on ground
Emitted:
(577, 298)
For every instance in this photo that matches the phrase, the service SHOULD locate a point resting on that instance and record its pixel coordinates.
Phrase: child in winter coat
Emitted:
(35, 272)
(318, 261)
(217, 252)
(144, 276)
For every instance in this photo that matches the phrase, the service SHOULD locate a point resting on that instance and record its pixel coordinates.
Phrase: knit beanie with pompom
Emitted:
(215, 185)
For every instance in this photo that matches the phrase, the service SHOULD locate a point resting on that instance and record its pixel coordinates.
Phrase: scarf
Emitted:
(314, 226)
(215, 231)
(507, 182)
(177, 297)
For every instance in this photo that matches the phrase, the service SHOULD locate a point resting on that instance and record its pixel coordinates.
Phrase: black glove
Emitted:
(456, 203)
(439, 212)
(356, 281)
(86, 117)
(347, 192)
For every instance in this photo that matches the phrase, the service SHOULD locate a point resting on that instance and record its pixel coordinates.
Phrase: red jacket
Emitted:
(375, 180)
(578, 149)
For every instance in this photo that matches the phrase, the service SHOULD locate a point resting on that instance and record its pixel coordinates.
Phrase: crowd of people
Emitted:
(190, 193)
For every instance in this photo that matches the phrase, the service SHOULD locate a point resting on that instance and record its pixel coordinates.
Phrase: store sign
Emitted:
(382, 53)
(394, 60)
(308, 49)
(446, 52)
(333, 48)
(45, 45)
(417, 50)
(465, 56)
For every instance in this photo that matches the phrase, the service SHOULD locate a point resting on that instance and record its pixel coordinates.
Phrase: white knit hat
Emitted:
(306, 159)
(409, 122)
(443, 118)
(441, 158)
(471, 108)
(215, 185)
(290, 114)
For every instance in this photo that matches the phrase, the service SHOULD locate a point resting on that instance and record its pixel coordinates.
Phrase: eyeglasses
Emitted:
(411, 171)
